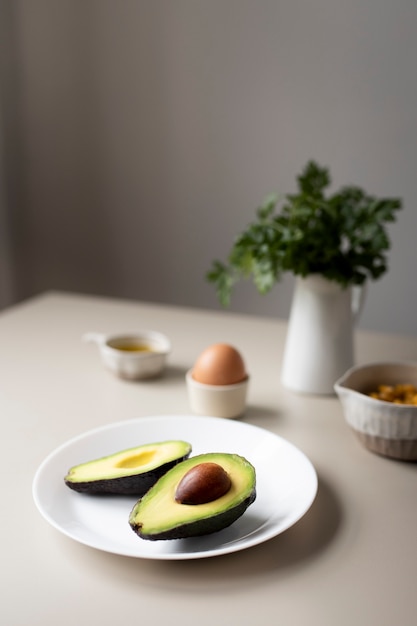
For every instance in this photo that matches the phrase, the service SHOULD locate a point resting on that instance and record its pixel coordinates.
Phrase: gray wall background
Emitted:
(139, 136)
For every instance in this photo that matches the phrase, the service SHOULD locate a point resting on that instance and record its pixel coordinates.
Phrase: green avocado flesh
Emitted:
(128, 472)
(157, 515)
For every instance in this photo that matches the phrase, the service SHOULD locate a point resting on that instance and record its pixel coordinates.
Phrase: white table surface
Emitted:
(352, 559)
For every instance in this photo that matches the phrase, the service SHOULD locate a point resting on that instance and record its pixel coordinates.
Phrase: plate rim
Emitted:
(240, 545)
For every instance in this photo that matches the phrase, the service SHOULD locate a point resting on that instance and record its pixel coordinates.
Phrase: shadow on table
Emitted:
(261, 416)
(296, 548)
(170, 373)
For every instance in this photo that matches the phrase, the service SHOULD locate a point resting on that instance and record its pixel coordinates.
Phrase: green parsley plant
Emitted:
(341, 236)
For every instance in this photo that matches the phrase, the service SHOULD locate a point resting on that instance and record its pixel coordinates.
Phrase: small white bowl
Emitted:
(227, 401)
(132, 364)
(383, 427)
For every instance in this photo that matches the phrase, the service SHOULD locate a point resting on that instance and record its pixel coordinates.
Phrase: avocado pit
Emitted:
(203, 483)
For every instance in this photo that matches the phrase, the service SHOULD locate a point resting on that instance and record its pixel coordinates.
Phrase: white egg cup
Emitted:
(227, 401)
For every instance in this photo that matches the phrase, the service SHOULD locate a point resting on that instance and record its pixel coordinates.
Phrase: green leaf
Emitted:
(313, 180)
(268, 207)
(223, 281)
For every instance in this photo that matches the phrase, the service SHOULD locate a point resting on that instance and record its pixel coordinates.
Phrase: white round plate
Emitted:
(286, 485)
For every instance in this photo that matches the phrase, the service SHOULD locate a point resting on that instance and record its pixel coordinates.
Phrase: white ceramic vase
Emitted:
(319, 346)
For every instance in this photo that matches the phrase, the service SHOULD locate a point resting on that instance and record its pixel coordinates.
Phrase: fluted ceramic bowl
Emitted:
(383, 427)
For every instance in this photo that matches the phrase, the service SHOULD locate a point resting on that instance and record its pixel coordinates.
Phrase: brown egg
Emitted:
(219, 364)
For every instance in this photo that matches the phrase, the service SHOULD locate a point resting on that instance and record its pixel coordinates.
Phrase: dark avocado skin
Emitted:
(134, 485)
(201, 527)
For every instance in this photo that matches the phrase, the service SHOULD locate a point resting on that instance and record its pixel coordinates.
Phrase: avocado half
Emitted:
(158, 515)
(128, 472)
